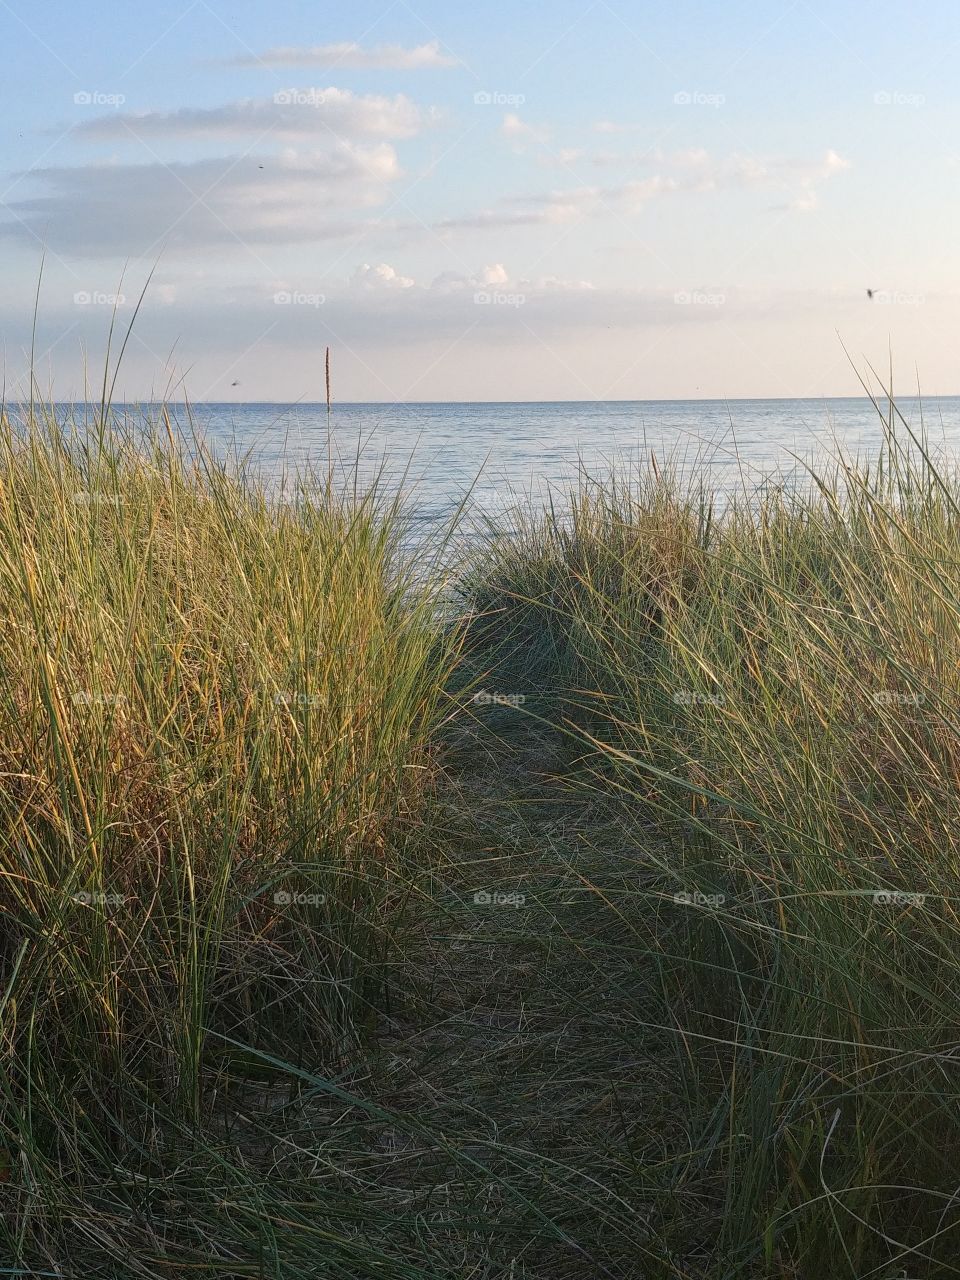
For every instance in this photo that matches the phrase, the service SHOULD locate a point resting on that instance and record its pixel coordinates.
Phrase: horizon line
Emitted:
(393, 404)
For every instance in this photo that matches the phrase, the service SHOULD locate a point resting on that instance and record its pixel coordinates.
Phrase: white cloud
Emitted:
(382, 302)
(456, 282)
(535, 327)
(494, 276)
(497, 274)
(515, 305)
(379, 277)
(752, 171)
(351, 56)
(691, 171)
(130, 209)
(514, 127)
(386, 278)
(799, 179)
(290, 113)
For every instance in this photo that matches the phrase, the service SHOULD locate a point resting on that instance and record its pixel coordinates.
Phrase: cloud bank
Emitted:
(288, 114)
(351, 56)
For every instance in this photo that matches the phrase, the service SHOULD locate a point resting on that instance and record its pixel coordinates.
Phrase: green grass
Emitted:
(253, 1020)
(772, 686)
(214, 722)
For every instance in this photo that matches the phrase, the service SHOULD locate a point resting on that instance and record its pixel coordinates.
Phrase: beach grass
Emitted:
(591, 912)
(769, 681)
(215, 712)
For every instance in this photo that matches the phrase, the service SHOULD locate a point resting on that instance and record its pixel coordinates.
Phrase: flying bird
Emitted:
(869, 293)
(236, 383)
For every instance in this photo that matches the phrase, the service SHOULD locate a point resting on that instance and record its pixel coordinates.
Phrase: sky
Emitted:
(573, 200)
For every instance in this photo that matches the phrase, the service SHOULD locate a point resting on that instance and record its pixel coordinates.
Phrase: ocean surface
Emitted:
(501, 453)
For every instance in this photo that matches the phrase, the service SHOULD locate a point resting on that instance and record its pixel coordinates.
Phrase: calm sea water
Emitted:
(436, 452)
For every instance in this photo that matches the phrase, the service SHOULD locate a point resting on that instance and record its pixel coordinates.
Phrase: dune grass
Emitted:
(214, 722)
(261, 1014)
(771, 687)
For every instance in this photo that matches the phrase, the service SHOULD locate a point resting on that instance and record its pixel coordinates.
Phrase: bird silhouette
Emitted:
(869, 293)
(236, 383)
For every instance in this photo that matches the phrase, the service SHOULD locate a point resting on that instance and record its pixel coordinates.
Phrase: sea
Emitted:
(498, 455)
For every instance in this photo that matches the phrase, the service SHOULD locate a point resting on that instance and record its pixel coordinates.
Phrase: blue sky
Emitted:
(525, 201)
